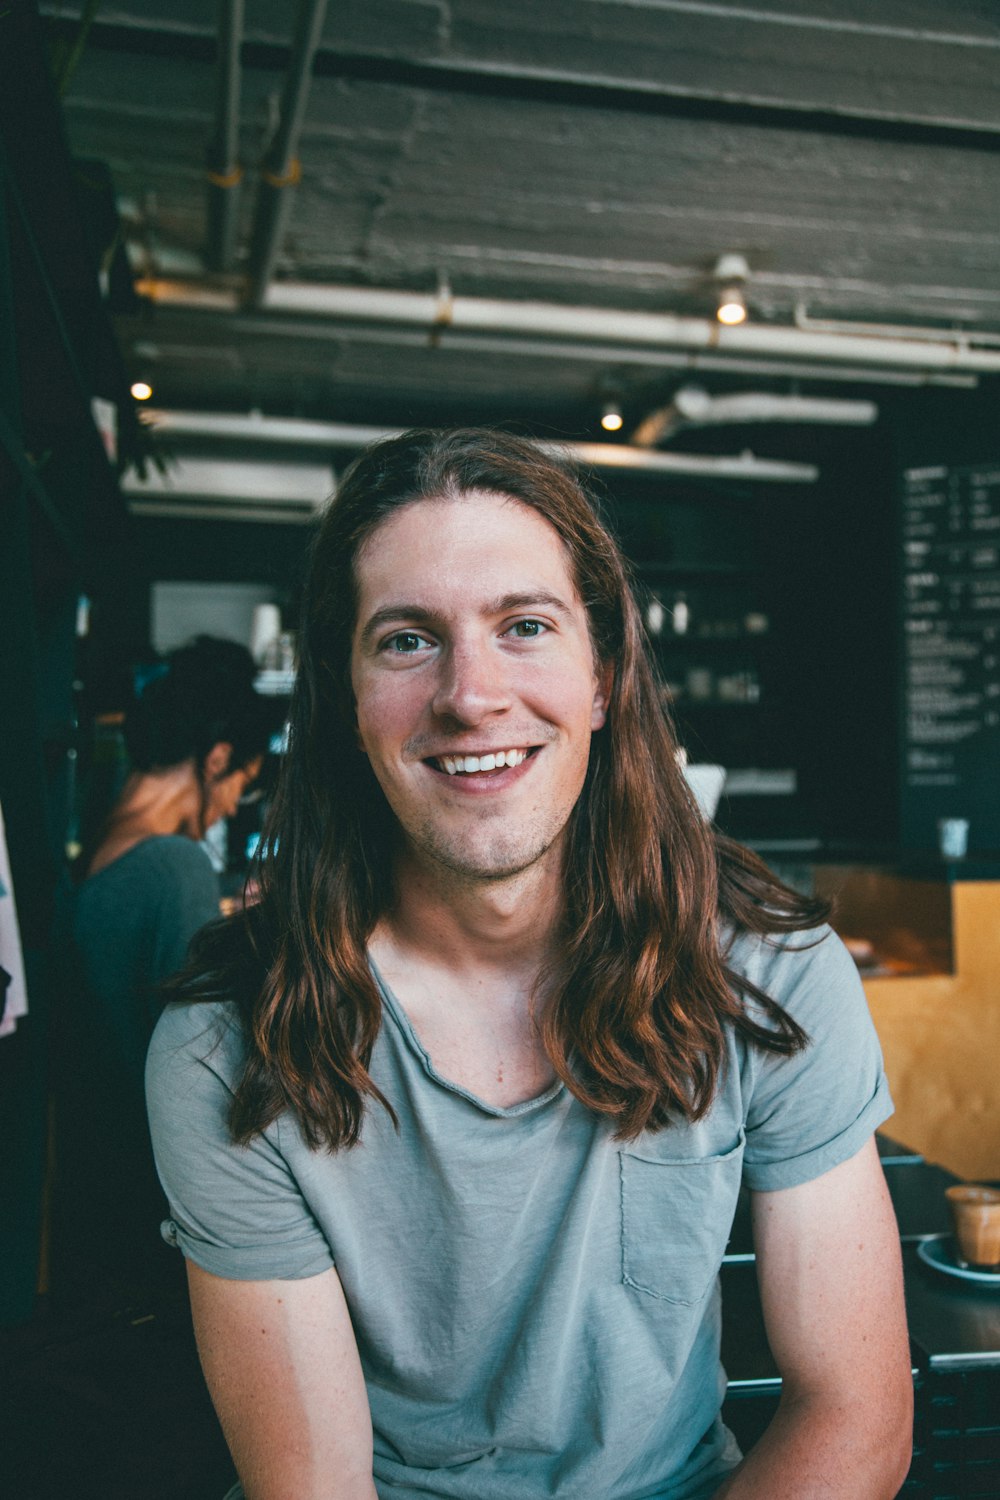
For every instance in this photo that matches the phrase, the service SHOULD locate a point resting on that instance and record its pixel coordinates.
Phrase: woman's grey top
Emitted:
(536, 1304)
(122, 932)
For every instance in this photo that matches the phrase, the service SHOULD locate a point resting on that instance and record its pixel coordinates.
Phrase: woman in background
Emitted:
(196, 738)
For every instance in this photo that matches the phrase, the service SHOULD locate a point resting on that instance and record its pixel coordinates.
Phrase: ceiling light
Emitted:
(141, 390)
(732, 308)
(731, 271)
(611, 416)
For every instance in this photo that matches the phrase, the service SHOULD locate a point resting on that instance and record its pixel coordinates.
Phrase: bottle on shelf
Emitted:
(681, 615)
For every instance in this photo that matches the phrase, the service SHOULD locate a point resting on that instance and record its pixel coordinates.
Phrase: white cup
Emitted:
(264, 631)
(953, 837)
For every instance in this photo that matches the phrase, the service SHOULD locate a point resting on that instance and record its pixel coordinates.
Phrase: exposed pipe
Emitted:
(713, 466)
(694, 407)
(201, 298)
(236, 479)
(256, 428)
(208, 510)
(224, 169)
(492, 315)
(805, 320)
(253, 427)
(281, 168)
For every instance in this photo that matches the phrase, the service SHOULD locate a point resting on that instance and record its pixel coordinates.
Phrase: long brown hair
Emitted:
(639, 998)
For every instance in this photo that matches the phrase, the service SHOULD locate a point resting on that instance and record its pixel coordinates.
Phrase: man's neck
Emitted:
(468, 925)
(464, 959)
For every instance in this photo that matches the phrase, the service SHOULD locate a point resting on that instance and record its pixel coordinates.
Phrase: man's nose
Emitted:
(473, 683)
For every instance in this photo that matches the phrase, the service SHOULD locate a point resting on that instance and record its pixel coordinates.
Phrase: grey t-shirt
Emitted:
(536, 1305)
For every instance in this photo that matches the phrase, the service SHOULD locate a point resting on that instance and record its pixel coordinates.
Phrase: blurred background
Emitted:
(740, 262)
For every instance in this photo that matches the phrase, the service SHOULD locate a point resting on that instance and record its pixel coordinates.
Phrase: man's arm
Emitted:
(281, 1363)
(829, 1269)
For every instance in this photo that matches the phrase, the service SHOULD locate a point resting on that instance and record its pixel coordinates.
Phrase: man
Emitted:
(454, 1138)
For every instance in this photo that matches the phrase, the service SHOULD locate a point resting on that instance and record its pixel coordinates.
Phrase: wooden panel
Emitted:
(941, 1038)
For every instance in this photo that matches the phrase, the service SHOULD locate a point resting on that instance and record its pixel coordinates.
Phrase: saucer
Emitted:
(938, 1251)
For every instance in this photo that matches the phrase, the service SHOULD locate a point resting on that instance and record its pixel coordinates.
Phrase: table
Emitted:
(954, 1337)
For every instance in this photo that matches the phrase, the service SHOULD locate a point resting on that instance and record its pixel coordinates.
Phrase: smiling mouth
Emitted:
(471, 765)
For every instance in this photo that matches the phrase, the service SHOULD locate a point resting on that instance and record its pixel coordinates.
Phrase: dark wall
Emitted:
(817, 561)
(58, 494)
(155, 549)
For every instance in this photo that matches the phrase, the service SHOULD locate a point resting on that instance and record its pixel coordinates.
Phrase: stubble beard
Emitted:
(492, 859)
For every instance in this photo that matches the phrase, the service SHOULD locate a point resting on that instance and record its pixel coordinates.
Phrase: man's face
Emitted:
(225, 791)
(471, 642)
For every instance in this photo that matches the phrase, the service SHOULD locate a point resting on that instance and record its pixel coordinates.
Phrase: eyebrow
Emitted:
(527, 599)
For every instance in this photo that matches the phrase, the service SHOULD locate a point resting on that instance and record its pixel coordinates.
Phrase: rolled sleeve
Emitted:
(810, 1111)
(236, 1211)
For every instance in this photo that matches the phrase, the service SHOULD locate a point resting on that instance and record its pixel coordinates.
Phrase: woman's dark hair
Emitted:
(633, 1010)
(203, 696)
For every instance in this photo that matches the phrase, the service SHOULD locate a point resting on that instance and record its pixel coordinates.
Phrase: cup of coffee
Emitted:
(975, 1213)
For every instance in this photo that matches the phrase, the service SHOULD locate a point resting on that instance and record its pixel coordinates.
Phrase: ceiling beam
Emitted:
(555, 86)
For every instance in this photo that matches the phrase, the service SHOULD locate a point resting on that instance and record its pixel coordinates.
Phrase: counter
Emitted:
(940, 1035)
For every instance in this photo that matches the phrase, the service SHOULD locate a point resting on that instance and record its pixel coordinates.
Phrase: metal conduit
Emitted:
(196, 296)
(277, 430)
(491, 315)
(623, 334)
(694, 407)
(224, 169)
(281, 169)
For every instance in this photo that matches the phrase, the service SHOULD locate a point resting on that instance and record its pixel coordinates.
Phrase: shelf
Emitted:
(274, 683)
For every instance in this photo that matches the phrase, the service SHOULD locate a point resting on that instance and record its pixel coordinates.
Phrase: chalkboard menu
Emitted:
(951, 652)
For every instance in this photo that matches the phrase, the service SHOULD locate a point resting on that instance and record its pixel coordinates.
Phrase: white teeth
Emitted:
(468, 764)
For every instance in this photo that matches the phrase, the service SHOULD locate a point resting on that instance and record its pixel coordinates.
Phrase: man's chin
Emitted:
(486, 866)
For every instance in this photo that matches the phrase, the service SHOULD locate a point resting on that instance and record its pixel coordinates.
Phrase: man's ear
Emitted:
(602, 695)
(217, 762)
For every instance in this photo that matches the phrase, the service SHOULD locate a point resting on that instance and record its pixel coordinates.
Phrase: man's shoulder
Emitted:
(759, 951)
(797, 969)
(194, 1035)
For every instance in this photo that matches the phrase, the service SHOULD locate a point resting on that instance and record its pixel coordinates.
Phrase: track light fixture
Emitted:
(731, 272)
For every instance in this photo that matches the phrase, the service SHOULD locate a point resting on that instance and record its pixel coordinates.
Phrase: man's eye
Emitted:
(404, 642)
(527, 630)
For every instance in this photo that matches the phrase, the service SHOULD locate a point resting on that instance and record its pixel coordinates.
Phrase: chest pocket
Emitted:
(677, 1211)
